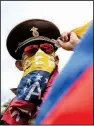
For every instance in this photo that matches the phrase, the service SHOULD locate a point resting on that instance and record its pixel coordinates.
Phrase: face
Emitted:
(35, 55)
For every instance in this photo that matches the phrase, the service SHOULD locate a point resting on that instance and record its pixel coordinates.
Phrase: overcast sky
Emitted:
(65, 14)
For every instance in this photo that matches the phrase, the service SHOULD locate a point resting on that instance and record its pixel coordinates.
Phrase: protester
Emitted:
(33, 44)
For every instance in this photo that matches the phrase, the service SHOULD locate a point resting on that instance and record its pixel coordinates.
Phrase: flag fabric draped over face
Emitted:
(30, 91)
(71, 98)
(32, 85)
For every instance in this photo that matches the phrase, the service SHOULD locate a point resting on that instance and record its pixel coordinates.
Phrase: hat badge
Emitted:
(35, 33)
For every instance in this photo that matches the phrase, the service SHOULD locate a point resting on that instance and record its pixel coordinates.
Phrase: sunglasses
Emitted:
(32, 49)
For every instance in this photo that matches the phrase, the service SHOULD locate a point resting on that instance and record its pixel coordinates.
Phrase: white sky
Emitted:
(65, 14)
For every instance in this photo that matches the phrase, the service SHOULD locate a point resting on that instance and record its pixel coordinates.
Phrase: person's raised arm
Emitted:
(68, 40)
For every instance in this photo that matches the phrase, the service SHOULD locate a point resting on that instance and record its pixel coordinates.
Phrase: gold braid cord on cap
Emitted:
(53, 41)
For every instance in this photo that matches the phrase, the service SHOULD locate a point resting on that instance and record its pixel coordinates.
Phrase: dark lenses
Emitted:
(32, 49)
(47, 48)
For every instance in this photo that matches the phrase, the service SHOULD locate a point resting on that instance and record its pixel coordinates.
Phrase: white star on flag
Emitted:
(29, 81)
(25, 89)
(38, 57)
(51, 58)
(50, 62)
(46, 80)
(39, 62)
(38, 77)
(17, 115)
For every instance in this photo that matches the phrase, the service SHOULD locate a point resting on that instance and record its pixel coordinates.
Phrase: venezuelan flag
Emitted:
(71, 98)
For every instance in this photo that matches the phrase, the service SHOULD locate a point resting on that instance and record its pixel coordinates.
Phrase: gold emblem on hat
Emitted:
(35, 32)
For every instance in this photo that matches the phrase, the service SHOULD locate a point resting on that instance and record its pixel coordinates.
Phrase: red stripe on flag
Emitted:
(23, 105)
(18, 112)
(76, 107)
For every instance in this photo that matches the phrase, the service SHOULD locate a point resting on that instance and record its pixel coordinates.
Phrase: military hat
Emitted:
(29, 32)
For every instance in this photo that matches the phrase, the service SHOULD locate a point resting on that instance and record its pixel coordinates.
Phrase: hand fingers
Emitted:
(68, 40)
(65, 37)
(73, 38)
(67, 46)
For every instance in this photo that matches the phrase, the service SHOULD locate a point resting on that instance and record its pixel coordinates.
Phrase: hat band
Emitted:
(53, 41)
